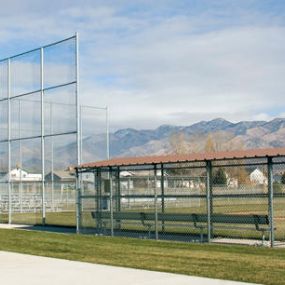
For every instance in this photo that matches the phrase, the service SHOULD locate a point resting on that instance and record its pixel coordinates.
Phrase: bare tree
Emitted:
(179, 144)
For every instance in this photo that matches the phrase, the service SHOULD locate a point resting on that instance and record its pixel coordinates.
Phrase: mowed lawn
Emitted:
(242, 263)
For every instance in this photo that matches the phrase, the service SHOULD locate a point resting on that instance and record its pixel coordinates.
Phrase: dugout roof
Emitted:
(185, 158)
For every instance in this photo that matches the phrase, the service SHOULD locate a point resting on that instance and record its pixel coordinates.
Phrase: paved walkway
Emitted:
(16, 269)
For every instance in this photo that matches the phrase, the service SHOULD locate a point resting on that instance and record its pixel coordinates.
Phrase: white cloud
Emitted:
(234, 71)
(164, 63)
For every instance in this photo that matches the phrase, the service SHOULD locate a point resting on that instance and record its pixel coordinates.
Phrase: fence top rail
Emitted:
(37, 49)
(187, 158)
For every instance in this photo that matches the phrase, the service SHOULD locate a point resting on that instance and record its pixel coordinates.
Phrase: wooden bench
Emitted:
(199, 220)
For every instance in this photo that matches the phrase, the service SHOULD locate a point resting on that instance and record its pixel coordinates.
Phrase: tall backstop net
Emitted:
(39, 134)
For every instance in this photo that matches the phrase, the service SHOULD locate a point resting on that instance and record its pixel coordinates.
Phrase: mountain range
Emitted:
(162, 140)
(224, 135)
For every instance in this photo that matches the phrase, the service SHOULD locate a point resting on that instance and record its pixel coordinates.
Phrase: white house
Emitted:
(129, 179)
(20, 175)
(126, 182)
(258, 177)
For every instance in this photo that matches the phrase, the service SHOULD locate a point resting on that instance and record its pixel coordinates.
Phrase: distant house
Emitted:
(61, 180)
(130, 180)
(126, 182)
(20, 175)
(126, 173)
(258, 177)
(60, 176)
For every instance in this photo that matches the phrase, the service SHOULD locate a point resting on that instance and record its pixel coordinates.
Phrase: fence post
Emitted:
(100, 206)
(162, 195)
(9, 144)
(96, 186)
(118, 206)
(209, 198)
(155, 202)
(111, 200)
(42, 138)
(78, 203)
(270, 200)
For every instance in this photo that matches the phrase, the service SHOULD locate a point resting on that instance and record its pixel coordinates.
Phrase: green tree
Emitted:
(219, 177)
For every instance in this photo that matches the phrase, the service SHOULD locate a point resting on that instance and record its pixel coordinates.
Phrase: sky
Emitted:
(164, 61)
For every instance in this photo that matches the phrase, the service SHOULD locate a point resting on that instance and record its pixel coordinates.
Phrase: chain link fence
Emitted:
(39, 123)
(44, 133)
(225, 201)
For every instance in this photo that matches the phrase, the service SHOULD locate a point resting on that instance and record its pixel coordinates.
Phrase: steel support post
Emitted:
(52, 157)
(78, 202)
(209, 199)
(155, 202)
(20, 159)
(107, 133)
(9, 144)
(81, 135)
(43, 139)
(96, 187)
(118, 200)
(78, 131)
(111, 201)
(99, 197)
(270, 200)
(162, 195)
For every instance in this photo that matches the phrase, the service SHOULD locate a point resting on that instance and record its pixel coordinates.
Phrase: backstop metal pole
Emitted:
(9, 145)
(78, 131)
(107, 133)
(43, 139)
(155, 202)
(270, 200)
(20, 159)
(209, 199)
(81, 133)
(52, 157)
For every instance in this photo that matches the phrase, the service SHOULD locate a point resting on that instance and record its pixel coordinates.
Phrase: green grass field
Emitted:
(241, 263)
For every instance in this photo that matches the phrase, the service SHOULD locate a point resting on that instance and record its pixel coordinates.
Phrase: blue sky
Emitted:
(164, 62)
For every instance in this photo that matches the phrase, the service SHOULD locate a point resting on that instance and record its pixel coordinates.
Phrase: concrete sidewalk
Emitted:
(16, 269)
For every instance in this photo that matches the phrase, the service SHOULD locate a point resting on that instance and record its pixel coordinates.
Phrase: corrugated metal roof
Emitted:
(192, 157)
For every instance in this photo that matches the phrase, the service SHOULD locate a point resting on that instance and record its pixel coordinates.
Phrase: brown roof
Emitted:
(192, 157)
